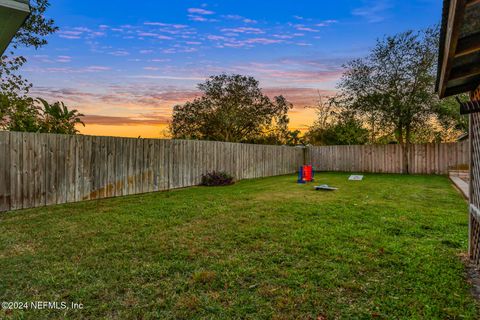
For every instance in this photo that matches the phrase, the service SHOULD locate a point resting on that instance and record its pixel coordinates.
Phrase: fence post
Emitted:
(306, 153)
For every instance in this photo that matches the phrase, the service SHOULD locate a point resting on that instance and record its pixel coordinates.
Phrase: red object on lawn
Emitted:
(305, 174)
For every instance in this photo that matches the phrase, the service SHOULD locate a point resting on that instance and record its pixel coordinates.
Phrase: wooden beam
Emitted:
(468, 45)
(472, 2)
(455, 17)
(462, 88)
(465, 71)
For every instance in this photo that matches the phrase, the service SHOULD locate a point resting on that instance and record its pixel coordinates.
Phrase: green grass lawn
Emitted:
(388, 248)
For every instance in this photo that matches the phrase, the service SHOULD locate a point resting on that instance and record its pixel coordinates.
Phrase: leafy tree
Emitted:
(232, 108)
(28, 115)
(289, 138)
(32, 34)
(17, 111)
(19, 114)
(345, 129)
(294, 138)
(34, 31)
(449, 116)
(394, 85)
(325, 110)
(56, 118)
(277, 131)
(335, 124)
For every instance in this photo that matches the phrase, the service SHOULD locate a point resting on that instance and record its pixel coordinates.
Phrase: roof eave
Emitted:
(13, 14)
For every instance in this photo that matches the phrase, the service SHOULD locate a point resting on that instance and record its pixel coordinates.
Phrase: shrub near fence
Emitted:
(422, 158)
(43, 169)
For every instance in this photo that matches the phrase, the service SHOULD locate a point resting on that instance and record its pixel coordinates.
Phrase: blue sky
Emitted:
(125, 64)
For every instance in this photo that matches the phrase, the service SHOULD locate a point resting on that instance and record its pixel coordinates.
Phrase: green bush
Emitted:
(217, 179)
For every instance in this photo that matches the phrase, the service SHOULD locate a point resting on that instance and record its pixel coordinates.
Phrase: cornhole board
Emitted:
(355, 178)
(325, 187)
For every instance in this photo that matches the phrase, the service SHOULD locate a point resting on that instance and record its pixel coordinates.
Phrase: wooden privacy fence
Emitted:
(422, 158)
(43, 169)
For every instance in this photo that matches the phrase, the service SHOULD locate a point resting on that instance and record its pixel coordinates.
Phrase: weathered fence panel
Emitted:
(44, 169)
(422, 158)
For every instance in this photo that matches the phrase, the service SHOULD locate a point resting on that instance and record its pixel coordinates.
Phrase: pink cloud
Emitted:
(161, 24)
(136, 97)
(245, 30)
(290, 72)
(200, 11)
(169, 77)
(70, 34)
(78, 32)
(119, 53)
(326, 23)
(300, 97)
(216, 38)
(238, 17)
(283, 36)
(196, 18)
(82, 29)
(69, 69)
(154, 35)
(96, 68)
(115, 121)
(233, 17)
(69, 37)
(263, 41)
(303, 28)
(64, 59)
(306, 76)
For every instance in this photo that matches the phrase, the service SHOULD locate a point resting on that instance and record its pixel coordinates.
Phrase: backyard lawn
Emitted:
(388, 247)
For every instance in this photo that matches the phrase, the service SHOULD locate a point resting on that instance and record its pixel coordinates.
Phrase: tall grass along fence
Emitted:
(422, 158)
(44, 169)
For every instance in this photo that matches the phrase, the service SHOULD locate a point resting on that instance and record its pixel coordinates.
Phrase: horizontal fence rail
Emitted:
(44, 169)
(422, 158)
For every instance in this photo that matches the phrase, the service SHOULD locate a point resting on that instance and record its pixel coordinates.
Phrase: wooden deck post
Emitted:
(474, 192)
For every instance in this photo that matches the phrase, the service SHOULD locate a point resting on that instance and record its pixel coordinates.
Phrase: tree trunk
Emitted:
(405, 169)
(405, 148)
(406, 151)
(372, 137)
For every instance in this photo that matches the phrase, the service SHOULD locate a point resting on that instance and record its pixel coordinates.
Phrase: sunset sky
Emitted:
(125, 64)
